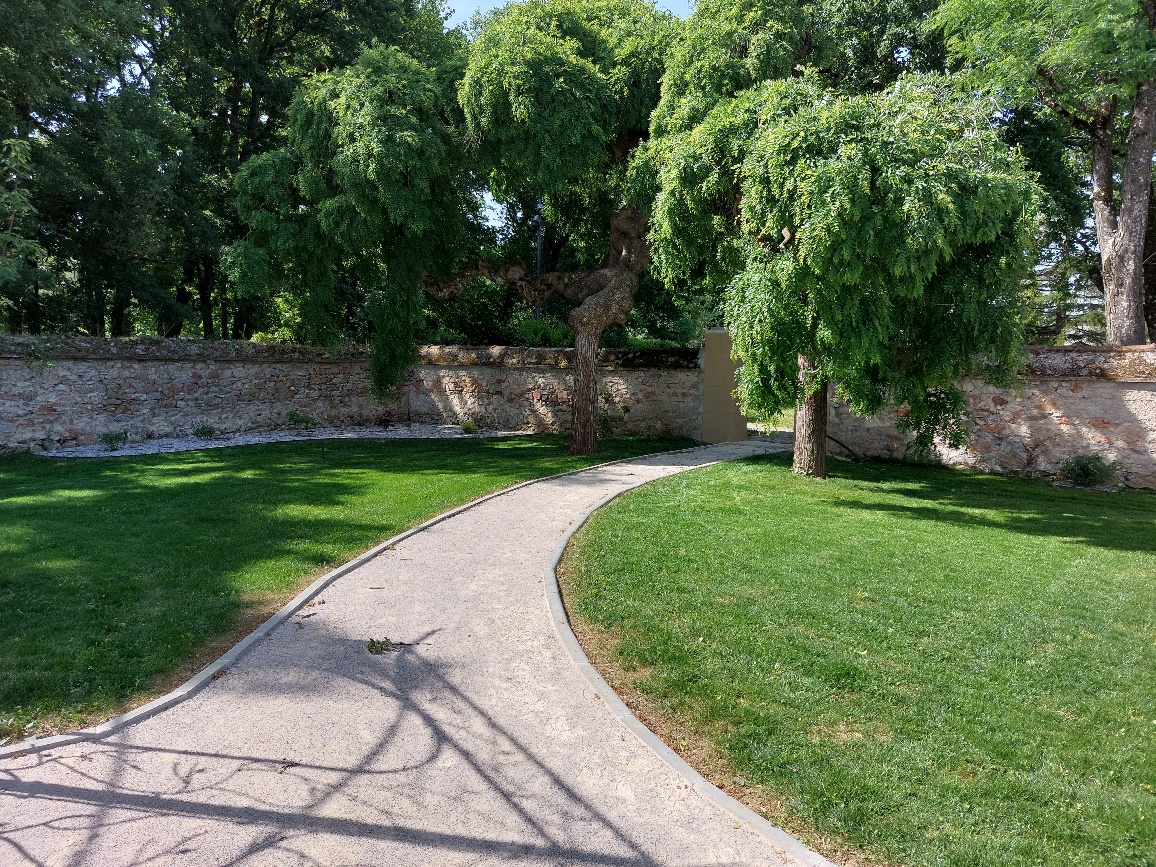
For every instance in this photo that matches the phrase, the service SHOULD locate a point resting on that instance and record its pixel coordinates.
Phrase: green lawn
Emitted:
(933, 666)
(120, 574)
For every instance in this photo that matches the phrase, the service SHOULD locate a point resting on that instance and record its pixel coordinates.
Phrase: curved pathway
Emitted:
(478, 740)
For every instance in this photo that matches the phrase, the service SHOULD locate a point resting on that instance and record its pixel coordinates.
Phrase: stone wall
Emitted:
(507, 388)
(1071, 400)
(70, 390)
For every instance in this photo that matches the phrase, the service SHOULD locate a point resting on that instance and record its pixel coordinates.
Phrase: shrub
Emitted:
(1089, 471)
(204, 431)
(298, 417)
(468, 427)
(384, 418)
(113, 440)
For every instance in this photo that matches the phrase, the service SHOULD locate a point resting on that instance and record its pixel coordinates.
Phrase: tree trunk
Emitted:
(1121, 237)
(584, 399)
(205, 293)
(811, 426)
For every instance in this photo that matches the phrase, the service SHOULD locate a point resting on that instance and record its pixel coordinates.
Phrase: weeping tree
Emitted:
(877, 241)
(368, 194)
(557, 96)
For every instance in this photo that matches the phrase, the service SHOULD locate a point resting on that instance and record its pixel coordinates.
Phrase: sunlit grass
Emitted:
(933, 666)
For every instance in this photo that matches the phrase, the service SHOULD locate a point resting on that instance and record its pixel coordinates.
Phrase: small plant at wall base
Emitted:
(1089, 471)
(300, 418)
(114, 440)
(204, 431)
(468, 427)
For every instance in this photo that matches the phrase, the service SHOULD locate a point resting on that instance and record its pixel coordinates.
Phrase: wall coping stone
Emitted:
(79, 347)
(73, 347)
(1120, 363)
(521, 356)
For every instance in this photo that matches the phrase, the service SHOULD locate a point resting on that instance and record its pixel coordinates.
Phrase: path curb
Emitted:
(202, 678)
(744, 814)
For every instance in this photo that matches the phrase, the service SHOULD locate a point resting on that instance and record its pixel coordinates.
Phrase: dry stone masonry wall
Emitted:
(71, 390)
(1071, 401)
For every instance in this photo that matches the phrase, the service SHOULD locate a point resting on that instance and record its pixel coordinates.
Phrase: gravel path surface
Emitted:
(476, 740)
(190, 444)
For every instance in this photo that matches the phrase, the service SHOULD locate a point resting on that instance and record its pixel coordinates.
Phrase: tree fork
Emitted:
(810, 457)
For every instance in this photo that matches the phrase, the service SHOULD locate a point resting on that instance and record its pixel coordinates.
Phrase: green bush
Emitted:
(204, 431)
(1089, 471)
(468, 427)
(113, 440)
(301, 418)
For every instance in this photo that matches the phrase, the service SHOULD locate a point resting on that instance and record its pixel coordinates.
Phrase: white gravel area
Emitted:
(477, 741)
(190, 444)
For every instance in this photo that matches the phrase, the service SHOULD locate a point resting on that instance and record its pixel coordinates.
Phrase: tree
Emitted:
(876, 241)
(557, 96)
(1093, 63)
(366, 191)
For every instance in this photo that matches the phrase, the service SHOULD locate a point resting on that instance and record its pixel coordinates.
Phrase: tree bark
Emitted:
(810, 457)
(584, 396)
(1150, 269)
(1121, 236)
(205, 292)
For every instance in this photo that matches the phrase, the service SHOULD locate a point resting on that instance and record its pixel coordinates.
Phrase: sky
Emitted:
(463, 9)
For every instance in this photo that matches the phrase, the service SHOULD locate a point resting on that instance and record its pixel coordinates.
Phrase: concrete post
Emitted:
(722, 422)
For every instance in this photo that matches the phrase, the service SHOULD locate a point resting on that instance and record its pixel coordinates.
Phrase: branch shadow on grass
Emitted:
(1029, 507)
(117, 570)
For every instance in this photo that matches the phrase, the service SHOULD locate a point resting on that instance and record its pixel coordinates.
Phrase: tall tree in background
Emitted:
(1093, 62)
(228, 69)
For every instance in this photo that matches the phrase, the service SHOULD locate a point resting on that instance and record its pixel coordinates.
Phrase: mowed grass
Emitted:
(118, 573)
(932, 666)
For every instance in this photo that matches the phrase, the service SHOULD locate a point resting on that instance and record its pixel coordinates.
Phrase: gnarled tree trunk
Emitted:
(603, 297)
(584, 394)
(811, 425)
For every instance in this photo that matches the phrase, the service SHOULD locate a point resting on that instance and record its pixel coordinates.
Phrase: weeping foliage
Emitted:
(367, 192)
(729, 46)
(907, 227)
(556, 93)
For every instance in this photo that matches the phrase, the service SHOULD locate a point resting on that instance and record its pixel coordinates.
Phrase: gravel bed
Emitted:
(189, 444)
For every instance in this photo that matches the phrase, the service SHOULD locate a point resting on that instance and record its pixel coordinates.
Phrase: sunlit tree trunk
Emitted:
(584, 399)
(811, 426)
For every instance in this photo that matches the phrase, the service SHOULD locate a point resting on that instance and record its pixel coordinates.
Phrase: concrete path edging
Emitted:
(205, 676)
(776, 835)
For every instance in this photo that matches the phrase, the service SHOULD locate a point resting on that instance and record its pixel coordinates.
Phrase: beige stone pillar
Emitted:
(722, 422)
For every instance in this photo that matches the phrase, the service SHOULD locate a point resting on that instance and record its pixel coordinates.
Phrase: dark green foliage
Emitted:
(120, 570)
(935, 666)
(367, 192)
(114, 440)
(1089, 471)
(556, 96)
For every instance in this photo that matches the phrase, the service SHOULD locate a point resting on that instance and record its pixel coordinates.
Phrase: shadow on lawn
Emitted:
(117, 570)
(1030, 507)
